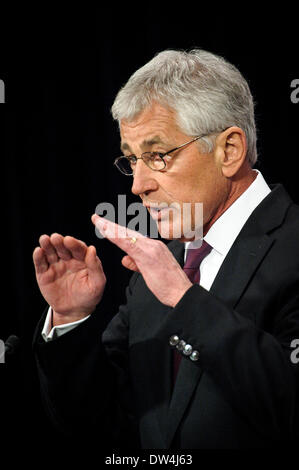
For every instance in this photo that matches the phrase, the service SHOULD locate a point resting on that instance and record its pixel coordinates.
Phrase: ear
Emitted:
(231, 150)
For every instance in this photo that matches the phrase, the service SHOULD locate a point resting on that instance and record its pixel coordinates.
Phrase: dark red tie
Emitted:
(191, 267)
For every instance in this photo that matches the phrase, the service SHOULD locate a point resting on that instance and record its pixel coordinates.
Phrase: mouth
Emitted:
(158, 212)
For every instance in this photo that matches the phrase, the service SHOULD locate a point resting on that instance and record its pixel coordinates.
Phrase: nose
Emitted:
(144, 179)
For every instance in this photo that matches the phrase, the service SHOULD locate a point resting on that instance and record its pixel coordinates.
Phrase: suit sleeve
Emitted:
(251, 367)
(83, 385)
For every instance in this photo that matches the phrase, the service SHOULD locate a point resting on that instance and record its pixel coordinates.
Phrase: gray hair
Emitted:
(207, 93)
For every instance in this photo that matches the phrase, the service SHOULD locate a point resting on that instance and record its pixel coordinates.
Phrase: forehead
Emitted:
(153, 124)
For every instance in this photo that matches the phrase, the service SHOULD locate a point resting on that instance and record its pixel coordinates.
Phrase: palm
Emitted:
(68, 280)
(66, 285)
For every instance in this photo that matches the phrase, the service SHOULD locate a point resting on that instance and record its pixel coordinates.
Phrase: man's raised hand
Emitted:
(70, 276)
(160, 270)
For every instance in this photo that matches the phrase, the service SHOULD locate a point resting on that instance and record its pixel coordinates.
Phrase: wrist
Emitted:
(62, 319)
(179, 295)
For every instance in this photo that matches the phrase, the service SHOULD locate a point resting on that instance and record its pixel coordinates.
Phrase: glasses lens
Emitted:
(153, 160)
(125, 165)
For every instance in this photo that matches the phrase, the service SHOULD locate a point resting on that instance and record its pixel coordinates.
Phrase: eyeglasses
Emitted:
(154, 160)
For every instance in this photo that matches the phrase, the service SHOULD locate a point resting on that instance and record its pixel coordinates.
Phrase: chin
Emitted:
(174, 231)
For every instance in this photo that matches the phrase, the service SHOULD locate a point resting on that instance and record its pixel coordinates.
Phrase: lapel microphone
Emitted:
(10, 347)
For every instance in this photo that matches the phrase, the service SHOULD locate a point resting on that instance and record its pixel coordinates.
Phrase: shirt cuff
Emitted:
(49, 333)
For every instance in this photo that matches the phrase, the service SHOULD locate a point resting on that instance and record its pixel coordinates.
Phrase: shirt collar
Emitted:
(227, 227)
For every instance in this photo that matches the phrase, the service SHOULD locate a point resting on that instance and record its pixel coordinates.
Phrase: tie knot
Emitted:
(195, 256)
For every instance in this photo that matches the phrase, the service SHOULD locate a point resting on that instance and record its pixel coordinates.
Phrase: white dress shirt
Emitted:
(220, 237)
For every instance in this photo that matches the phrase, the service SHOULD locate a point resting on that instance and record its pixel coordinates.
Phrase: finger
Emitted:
(40, 261)
(92, 261)
(109, 229)
(121, 236)
(48, 248)
(76, 247)
(57, 241)
(129, 263)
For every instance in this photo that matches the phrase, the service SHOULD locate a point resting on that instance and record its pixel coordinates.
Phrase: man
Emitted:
(199, 356)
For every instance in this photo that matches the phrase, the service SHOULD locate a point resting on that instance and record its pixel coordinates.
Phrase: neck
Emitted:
(238, 186)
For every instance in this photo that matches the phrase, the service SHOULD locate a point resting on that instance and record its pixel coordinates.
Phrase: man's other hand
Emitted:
(70, 276)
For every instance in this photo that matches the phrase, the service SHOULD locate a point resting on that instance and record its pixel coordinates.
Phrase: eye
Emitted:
(154, 156)
(132, 159)
(168, 158)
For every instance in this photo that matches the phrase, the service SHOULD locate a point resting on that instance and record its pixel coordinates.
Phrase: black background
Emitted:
(62, 70)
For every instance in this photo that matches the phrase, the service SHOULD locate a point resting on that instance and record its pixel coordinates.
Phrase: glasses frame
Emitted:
(161, 155)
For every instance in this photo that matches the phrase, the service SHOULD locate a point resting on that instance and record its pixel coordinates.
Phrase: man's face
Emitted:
(189, 177)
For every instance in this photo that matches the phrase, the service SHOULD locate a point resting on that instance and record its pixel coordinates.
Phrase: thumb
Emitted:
(93, 263)
(129, 263)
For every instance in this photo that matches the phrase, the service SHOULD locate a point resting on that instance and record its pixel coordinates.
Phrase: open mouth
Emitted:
(158, 212)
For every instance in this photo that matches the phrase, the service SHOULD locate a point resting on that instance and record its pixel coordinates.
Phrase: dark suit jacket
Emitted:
(243, 390)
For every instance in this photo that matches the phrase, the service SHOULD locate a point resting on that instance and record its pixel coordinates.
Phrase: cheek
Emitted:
(196, 187)
(198, 179)
(210, 190)
(184, 186)
(195, 182)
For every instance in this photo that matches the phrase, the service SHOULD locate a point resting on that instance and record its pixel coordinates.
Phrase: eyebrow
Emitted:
(145, 144)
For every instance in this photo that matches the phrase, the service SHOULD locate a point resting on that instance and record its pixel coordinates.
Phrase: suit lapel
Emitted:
(237, 270)
(250, 247)
(242, 261)
(239, 267)
(161, 361)
(185, 385)
(160, 373)
(187, 378)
